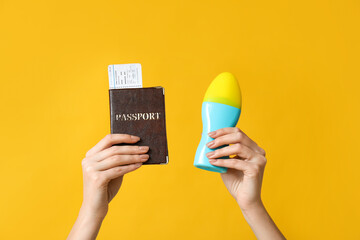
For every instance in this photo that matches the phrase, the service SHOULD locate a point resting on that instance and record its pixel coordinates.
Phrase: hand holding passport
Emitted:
(138, 111)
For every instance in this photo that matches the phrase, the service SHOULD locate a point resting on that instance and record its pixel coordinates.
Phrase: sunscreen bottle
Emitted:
(221, 108)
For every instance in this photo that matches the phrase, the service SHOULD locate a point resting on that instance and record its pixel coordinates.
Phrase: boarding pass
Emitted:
(125, 76)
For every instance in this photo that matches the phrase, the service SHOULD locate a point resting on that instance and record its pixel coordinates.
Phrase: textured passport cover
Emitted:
(141, 112)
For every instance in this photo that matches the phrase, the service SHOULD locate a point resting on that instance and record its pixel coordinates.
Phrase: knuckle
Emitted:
(126, 136)
(263, 160)
(121, 159)
(139, 159)
(239, 135)
(116, 158)
(133, 167)
(260, 159)
(113, 150)
(127, 148)
(218, 152)
(220, 162)
(118, 169)
(131, 149)
(261, 151)
(238, 147)
(109, 137)
(89, 168)
(129, 157)
(84, 162)
(96, 177)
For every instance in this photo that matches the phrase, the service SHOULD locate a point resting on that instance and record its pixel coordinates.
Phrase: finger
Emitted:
(231, 136)
(236, 149)
(120, 160)
(223, 131)
(110, 140)
(119, 150)
(230, 163)
(116, 172)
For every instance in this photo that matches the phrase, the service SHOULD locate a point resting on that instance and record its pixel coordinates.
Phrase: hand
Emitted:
(245, 171)
(104, 167)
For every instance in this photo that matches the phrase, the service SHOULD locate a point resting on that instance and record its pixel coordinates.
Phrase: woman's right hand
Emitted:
(104, 167)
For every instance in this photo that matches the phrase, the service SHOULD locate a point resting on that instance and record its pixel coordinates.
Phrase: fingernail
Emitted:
(144, 157)
(143, 148)
(209, 154)
(209, 144)
(138, 164)
(212, 160)
(135, 137)
(212, 134)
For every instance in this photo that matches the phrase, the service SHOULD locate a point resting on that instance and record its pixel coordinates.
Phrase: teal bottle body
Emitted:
(214, 116)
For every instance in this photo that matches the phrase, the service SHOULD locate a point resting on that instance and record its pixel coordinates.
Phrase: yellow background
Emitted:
(298, 66)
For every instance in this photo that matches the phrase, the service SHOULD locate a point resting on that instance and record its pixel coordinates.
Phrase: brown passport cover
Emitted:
(128, 105)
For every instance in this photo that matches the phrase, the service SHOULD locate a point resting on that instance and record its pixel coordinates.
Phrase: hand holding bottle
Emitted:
(244, 177)
(245, 171)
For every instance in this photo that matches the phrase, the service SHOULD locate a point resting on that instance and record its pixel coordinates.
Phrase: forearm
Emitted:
(86, 227)
(261, 223)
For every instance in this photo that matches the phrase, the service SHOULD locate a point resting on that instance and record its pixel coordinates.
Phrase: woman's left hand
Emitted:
(245, 171)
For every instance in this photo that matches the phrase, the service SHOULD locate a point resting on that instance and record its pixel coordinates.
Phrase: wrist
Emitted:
(87, 225)
(250, 206)
(260, 221)
(254, 211)
(88, 213)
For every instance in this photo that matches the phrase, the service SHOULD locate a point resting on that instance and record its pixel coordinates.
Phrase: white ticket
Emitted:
(125, 76)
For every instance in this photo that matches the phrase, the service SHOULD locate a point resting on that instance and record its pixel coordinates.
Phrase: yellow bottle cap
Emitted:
(224, 89)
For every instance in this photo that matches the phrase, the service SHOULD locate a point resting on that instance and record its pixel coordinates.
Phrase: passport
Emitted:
(141, 112)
